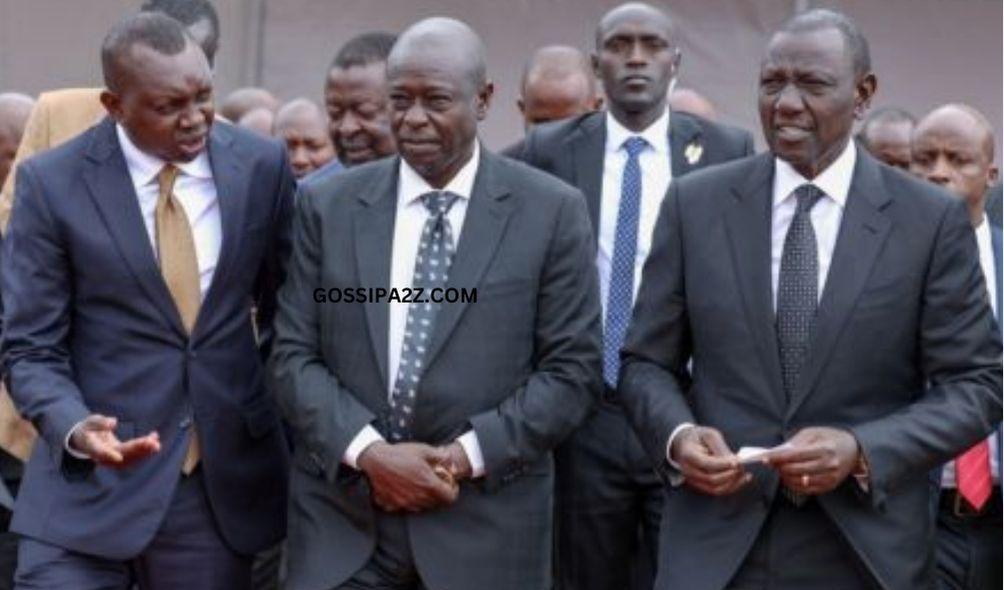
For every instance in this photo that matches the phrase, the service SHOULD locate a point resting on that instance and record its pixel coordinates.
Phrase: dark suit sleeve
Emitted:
(37, 290)
(317, 406)
(566, 380)
(654, 374)
(272, 271)
(960, 352)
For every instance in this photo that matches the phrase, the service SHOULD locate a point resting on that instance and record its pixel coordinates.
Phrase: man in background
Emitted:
(355, 96)
(242, 101)
(557, 83)
(688, 100)
(14, 111)
(886, 134)
(953, 147)
(609, 499)
(303, 126)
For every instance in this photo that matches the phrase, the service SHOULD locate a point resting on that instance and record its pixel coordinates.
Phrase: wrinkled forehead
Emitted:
(432, 64)
(821, 50)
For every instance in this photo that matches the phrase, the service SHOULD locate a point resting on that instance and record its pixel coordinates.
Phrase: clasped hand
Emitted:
(814, 461)
(414, 477)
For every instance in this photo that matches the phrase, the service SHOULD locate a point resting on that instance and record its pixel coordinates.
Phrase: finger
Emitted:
(139, 448)
(101, 451)
(794, 454)
(100, 422)
(715, 442)
(818, 466)
(737, 483)
(698, 460)
(713, 479)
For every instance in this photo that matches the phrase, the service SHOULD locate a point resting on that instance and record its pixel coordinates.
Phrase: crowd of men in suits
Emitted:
(687, 365)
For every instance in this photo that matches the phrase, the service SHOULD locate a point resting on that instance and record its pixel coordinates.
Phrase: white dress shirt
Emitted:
(195, 190)
(410, 219)
(987, 263)
(656, 174)
(826, 215)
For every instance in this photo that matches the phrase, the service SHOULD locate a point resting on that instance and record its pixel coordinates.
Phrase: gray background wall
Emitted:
(925, 52)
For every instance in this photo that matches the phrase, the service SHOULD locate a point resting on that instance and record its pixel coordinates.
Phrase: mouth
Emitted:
(636, 81)
(418, 145)
(193, 145)
(790, 132)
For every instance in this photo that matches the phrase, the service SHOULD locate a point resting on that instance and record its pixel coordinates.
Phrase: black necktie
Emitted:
(797, 289)
(435, 254)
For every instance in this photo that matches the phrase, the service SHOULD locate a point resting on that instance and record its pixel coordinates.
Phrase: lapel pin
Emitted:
(693, 152)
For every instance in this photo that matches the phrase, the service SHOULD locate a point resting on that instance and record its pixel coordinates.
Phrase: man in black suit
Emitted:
(424, 429)
(813, 298)
(886, 134)
(609, 497)
(133, 258)
(953, 147)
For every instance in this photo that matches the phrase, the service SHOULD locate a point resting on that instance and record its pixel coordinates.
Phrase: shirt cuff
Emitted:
(69, 448)
(367, 436)
(472, 448)
(669, 445)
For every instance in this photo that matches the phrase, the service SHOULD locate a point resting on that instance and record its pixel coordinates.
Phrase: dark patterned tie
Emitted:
(797, 289)
(621, 288)
(432, 264)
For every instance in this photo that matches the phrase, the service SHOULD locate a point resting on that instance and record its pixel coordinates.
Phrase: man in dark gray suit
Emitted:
(812, 298)
(424, 429)
(609, 498)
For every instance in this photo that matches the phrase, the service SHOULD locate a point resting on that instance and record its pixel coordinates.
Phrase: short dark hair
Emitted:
(188, 13)
(157, 31)
(364, 49)
(821, 18)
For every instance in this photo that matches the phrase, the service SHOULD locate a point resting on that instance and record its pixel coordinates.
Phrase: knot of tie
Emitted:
(439, 202)
(806, 197)
(634, 145)
(166, 177)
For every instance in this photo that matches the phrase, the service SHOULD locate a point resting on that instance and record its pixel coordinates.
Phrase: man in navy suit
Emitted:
(953, 147)
(131, 264)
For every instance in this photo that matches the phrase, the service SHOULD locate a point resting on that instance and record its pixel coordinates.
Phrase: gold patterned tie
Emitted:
(180, 269)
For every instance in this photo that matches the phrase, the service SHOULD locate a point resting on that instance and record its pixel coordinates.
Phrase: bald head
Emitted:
(633, 11)
(259, 120)
(687, 100)
(244, 100)
(439, 91)
(445, 43)
(953, 146)
(14, 111)
(558, 82)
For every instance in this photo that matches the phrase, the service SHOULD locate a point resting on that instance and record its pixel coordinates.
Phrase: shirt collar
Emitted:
(983, 230)
(144, 167)
(656, 134)
(835, 181)
(411, 185)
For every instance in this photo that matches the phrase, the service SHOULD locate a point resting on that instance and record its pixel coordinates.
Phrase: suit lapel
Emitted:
(484, 225)
(110, 187)
(995, 239)
(587, 147)
(748, 223)
(232, 192)
(374, 241)
(686, 151)
(863, 231)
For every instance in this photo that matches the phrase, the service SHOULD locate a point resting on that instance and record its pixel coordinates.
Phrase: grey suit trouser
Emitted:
(392, 565)
(608, 506)
(799, 548)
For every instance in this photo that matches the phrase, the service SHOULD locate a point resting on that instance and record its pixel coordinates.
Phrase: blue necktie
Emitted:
(622, 266)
